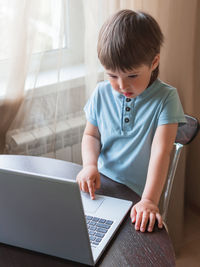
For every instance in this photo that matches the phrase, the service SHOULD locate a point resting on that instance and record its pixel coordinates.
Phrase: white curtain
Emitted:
(37, 80)
(32, 114)
(15, 31)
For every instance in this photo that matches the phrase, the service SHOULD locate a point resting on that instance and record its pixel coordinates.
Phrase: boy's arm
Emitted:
(90, 145)
(89, 177)
(147, 208)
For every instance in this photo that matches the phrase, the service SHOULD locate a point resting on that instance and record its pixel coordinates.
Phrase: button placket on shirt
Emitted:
(128, 105)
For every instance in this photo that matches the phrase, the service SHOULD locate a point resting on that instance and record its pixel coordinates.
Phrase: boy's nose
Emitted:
(123, 85)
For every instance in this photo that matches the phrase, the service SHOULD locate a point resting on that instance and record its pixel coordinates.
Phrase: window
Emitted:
(73, 43)
(48, 38)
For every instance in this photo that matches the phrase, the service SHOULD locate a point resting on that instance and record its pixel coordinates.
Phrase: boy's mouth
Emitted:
(128, 94)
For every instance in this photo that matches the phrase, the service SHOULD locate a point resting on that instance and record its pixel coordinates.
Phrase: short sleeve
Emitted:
(172, 111)
(91, 108)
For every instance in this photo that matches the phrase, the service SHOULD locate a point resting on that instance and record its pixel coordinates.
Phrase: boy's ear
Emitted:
(155, 62)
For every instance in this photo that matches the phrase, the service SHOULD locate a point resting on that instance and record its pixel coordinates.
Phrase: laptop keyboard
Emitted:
(97, 229)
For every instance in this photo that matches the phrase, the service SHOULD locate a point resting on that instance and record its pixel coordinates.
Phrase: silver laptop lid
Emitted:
(43, 214)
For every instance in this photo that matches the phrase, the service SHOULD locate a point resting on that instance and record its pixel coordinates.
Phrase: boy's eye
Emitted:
(112, 76)
(132, 76)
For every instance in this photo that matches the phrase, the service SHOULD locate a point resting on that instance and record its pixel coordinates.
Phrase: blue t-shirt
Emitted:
(127, 127)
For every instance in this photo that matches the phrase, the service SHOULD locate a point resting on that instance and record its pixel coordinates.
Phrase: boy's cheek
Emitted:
(112, 84)
(115, 86)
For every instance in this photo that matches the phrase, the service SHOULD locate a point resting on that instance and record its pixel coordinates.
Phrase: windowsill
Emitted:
(51, 81)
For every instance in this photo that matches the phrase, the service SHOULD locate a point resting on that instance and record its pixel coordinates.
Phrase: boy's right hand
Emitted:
(89, 180)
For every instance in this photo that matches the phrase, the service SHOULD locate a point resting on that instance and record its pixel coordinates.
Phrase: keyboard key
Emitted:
(92, 238)
(92, 223)
(91, 232)
(102, 220)
(102, 230)
(95, 219)
(93, 228)
(103, 225)
(100, 235)
(95, 243)
(98, 239)
(107, 226)
(100, 224)
(109, 222)
(88, 217)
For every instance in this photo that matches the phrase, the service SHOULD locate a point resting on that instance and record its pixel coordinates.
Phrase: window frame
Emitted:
(72, 54)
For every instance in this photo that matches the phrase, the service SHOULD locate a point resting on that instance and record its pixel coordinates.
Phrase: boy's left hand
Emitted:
(144, 215)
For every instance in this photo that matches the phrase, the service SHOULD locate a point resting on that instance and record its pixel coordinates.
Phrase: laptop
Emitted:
(50, 215)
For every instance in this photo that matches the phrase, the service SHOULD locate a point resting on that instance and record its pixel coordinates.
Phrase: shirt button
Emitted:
(128, 109)
(128, 99)
(126, 120)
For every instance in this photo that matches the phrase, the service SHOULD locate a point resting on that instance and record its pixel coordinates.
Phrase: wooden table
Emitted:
(128, 247)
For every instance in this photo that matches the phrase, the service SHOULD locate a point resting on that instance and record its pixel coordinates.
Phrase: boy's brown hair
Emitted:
(129, 39)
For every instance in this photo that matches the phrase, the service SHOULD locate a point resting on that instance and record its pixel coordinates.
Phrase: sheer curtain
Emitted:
(15, 27)
(42, 85)
(34, 118)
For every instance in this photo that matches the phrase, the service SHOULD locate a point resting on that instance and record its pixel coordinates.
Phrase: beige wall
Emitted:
(193, 161)
(180, 66)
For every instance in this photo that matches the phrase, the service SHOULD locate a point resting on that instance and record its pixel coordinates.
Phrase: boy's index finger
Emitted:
(91, 189)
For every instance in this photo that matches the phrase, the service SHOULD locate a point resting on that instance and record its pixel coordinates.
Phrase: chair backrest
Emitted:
(185, 134)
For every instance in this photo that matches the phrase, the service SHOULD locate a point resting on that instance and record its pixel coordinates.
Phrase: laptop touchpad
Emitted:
(89, 205)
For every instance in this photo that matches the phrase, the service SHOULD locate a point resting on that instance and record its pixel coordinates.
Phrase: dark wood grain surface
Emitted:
(128, 247)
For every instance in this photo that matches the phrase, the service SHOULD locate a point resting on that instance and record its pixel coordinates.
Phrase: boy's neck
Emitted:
(151, 81)
(154, 76)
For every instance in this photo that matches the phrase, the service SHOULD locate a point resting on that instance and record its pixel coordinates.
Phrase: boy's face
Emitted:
(132, 83)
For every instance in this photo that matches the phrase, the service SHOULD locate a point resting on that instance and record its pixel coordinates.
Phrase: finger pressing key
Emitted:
(91, 189)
